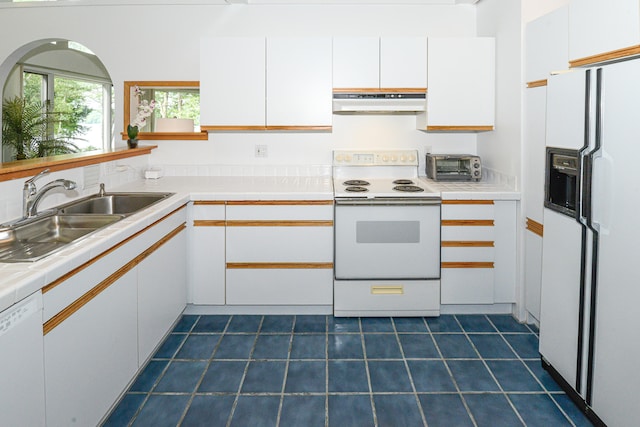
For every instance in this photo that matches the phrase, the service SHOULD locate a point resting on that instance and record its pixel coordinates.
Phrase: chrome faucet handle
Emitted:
(31, 180)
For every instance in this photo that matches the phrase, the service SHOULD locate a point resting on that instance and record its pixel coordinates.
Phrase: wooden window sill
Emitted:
(169, 136)
(30, 167)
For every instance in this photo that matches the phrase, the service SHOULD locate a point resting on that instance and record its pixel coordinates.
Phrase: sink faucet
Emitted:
(31, 196)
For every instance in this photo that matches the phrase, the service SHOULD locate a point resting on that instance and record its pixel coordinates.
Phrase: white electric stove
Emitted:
(387, 236)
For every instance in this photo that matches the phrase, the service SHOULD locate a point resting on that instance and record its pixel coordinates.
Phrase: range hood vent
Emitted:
(379, 102)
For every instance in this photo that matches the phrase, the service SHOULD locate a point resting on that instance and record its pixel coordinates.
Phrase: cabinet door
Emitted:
(403, 62)
(232, 81)
(547, 45)
(534, 151)
(91, 356)
(162, 292)
(461, 84)
(356, 62)
(207, 253)
(532, 272)
(597, 28)
(299, 85)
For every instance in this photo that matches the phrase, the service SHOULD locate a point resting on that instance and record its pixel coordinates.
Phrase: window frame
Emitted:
(158, 136)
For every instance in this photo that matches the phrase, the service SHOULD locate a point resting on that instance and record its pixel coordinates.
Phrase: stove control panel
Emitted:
(375, 158)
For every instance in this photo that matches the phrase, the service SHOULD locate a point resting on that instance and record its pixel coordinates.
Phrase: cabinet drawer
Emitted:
(467, 285)
(467, 209)
(280, 286)
(466, 233)
(477, 254)
(279, 244)
(207, 210)
(353, 298)
(280, 210)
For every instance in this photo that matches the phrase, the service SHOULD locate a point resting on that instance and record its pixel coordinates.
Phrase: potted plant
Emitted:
(27, 129)
(145, 108)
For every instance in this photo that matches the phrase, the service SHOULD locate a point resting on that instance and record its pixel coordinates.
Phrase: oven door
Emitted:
(387, 239)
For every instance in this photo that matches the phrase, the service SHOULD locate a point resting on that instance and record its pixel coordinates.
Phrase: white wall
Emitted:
(532, 9)
(500, 150)
(143, 42)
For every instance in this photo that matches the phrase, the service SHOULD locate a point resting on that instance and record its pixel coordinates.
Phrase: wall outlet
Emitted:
(261, 151)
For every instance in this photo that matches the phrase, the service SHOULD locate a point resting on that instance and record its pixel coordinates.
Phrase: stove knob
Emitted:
(412, 158)
(385, 159)
(403, 159)
(347, 158)
(339, 158)
(394, 158)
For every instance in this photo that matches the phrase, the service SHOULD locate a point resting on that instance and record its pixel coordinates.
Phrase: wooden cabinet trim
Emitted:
(467, 264)
(606, 56)
(280, 265)
(209, 223)
(536, 83)
(469, 128)
(68, 311)
(279, 223)
(278, 202)
(467, 223)
(467, 244)
(241, 128)
(30, 167)
(81, 267)
(535, 227)
(208, 202)
(468, 202)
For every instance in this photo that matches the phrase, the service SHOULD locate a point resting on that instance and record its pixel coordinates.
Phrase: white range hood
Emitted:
(378, 102)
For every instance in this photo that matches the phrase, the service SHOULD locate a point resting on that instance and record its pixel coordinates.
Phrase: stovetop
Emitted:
(378, 174)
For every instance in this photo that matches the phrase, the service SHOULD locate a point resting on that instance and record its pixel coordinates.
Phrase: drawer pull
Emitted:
(387, 290)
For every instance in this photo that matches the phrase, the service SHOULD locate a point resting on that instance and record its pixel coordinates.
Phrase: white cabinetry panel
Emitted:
(356, 62)
(299, 85)
(232, 81)
(599, 27)
(206, 273)
(91, 356)
(461, 84)
(403, 62)
(547, 45)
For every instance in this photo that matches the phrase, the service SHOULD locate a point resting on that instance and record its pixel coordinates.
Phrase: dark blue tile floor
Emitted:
(305, 371)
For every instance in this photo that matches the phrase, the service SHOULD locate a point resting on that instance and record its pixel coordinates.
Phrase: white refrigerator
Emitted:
(590, 300)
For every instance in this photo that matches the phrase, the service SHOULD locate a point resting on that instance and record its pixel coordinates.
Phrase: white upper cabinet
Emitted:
(547, 45)
(403, 62)
(379, 62)
(601, 31)
(461, 85)
(299, 90)
(253, 83)
(232, 81)
(356, 62)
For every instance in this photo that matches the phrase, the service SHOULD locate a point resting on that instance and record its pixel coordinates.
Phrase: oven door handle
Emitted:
(395, 201)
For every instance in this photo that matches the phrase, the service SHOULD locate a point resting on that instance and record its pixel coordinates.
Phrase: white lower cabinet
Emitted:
(206, 262)
(104, 318)
(91, 356)
(162, 293)
(478, 252)
(279, 253)
(532, 272)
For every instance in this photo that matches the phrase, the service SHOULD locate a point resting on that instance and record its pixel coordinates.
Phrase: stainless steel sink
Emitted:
(34, 239)
(113, 203)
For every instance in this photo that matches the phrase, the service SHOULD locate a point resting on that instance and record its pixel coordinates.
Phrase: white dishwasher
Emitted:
(22, 364)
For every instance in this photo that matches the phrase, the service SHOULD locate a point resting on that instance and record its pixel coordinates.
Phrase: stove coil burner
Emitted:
(403, 182)
(356, 182)
(355, 189)
(408, 188)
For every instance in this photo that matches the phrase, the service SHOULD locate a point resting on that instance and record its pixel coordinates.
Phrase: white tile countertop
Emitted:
(473, 190)
(19, 280)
